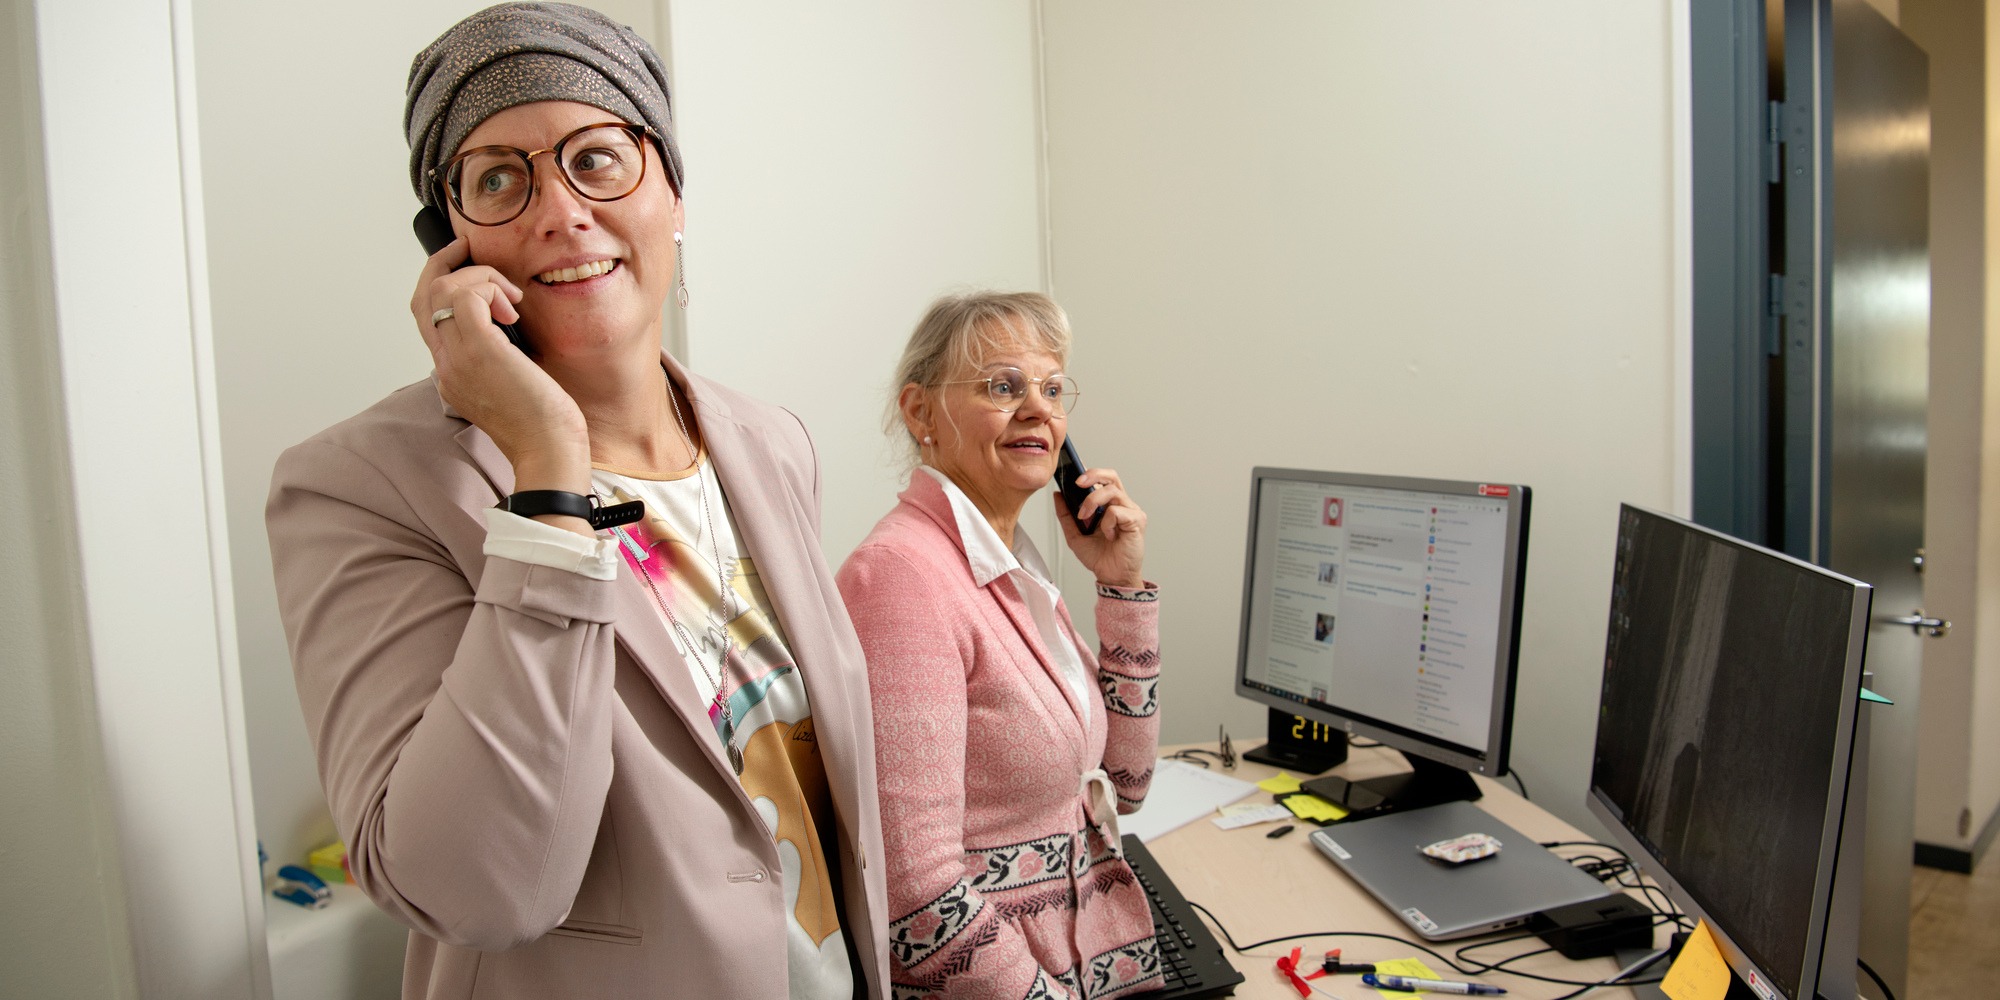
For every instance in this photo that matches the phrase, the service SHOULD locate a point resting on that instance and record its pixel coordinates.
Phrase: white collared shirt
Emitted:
(990, 558)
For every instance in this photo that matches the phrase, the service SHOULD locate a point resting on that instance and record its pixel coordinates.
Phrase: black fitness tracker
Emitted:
(530, 503)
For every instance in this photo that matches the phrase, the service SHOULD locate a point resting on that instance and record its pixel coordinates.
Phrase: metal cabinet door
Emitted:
(1857, 376)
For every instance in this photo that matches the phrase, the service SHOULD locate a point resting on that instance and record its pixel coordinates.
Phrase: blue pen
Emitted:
(1412, 984)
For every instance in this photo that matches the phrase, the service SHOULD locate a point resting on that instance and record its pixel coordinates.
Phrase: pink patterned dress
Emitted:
(1002, 871)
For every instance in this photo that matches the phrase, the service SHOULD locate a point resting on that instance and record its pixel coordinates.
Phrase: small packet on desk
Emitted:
(1247, 814)
(1461, 850)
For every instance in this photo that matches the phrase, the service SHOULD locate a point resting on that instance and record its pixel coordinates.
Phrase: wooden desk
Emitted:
(1261, 888)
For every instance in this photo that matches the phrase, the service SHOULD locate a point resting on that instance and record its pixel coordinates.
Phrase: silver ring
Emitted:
(441, 315)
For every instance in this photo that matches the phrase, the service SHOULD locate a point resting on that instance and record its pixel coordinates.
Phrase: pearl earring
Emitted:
(927, 439)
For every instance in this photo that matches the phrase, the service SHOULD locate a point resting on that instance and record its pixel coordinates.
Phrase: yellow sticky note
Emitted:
(1411, 967)
(1700, 973)
(1279, 784)
(1314, 808)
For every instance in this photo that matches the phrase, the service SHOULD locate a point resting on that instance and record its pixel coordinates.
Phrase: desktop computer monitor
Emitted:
(1390, 608)
(1725, 746)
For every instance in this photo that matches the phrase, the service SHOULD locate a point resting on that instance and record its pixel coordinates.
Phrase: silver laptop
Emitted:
(1441, 901)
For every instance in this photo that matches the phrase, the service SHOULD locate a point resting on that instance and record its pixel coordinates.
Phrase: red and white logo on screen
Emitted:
(1333, 512)
(1493, 491)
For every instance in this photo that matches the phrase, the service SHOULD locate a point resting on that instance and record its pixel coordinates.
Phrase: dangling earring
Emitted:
(680, 272)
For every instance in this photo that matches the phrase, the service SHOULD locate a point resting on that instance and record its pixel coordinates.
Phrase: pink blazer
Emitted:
(1000, 883)
(517, 756)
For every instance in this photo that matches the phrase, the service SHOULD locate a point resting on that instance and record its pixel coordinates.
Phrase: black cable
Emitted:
(1655, 897)
(1887, 993)
(1483, 966)
(1480, 968)
(1619, 979)
(1664, 904)
(1516, 775)
(1586, 843)
(1598, 866)
(1244, 948)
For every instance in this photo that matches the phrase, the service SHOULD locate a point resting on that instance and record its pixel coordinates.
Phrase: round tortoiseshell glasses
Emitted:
(492, 185)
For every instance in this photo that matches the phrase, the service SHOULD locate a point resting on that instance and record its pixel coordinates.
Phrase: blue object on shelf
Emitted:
(305, 879)
(299, 885)
(293, 892)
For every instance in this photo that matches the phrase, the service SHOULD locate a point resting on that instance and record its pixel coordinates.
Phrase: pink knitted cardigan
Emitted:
(1004, 886)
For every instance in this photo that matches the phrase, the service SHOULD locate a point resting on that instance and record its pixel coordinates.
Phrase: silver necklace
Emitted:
(715, 634)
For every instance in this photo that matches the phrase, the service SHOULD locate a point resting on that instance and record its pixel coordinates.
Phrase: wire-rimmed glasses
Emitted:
(1224, 752)
(1009, 388)
(492, 185)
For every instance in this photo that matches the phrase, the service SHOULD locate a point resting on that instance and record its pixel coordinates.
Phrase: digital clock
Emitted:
(1296, 743)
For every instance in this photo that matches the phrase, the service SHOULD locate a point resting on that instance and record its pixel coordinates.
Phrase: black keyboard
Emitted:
(1194, 962)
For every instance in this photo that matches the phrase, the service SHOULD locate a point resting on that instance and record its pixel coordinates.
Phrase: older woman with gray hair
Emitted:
(1006, 748)
(585, 701)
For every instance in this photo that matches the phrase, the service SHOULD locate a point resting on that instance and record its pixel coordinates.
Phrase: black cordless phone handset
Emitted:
(434, 232)
(1068, 467)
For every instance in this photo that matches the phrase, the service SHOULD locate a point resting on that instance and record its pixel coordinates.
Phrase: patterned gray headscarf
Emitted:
(519, 53)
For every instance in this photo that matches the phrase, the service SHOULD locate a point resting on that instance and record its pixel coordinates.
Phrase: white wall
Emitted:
(1984, 794)
(134, 567)
(1426, 238)
(847, 163)
(62, 906)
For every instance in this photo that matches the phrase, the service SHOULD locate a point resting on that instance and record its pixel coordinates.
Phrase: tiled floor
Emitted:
(1955, 933)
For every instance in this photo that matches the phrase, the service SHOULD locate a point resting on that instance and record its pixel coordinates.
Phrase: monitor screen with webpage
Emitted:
(1388, 607)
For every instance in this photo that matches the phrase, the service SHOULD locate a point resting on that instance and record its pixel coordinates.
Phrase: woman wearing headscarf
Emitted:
(586, 703)
(1006, 747)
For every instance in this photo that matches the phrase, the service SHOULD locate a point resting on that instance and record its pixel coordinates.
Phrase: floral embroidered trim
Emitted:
(925, 932)
(1143, 595)
(998, 869)
(1123, 967)
(1137, 697)
(1070, 981)
(898, 991)
(1096, 852)
(1043, 988)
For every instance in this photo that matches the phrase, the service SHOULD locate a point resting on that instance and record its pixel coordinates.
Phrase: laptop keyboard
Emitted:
(1194, 963)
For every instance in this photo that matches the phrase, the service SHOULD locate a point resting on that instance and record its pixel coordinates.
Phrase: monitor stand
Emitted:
(1427, 783)
(1644, 991)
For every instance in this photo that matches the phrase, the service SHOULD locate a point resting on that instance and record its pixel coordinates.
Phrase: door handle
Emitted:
(1933, 627)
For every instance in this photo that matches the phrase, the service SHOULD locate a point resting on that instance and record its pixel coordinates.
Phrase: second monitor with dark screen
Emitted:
(1391, 608)
(1730, 758)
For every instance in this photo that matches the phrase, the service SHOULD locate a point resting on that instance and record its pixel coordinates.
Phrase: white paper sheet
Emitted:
(1181, 793)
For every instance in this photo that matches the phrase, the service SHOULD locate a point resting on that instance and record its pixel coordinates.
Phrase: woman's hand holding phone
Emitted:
(1116, 552)
(492, 383)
